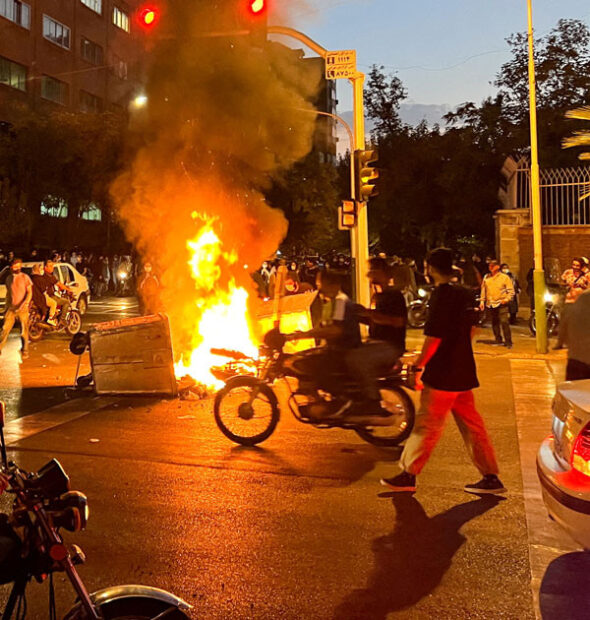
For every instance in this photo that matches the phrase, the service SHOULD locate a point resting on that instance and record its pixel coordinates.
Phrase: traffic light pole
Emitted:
(538, 273)
(359, 236)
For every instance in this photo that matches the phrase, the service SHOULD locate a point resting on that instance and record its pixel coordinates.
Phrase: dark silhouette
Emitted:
(565, 589)
(411, 561)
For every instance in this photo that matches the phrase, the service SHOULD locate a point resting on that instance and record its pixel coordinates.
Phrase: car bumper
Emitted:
(566, 493)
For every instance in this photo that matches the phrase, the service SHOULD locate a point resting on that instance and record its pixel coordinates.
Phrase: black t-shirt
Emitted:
(451, 317)
(391, 302)
(46, 283)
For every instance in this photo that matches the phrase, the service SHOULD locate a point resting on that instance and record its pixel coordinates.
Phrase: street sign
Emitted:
(341, 64)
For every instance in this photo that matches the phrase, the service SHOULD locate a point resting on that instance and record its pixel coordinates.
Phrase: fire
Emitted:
(221, 309)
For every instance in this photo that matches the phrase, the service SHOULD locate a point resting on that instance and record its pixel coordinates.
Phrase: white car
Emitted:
(65, 273)
(563, 461)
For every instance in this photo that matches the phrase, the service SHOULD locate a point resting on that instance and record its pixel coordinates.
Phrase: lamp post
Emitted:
(538, 273)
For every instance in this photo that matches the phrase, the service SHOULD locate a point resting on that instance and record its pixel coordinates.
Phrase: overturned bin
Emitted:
(133, 356)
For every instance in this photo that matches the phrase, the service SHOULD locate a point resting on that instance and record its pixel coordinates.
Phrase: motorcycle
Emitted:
(554, 298)
(33, 548)
(418, 309)
(247, 409)
(70, 322)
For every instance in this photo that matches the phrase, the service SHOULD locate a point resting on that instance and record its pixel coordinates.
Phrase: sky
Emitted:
(444, 51)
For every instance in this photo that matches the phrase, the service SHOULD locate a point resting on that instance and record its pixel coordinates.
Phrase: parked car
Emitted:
(66, 274)
(563, 461)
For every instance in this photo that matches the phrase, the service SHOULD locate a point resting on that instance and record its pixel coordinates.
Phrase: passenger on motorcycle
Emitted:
(340, 332)
(39, 300)
(387, 337)
(48, 283)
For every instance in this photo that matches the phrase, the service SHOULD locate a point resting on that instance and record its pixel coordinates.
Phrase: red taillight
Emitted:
(581, 451)
(257, 6)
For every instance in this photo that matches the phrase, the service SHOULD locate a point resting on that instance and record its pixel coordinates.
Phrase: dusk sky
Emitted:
(444, 51)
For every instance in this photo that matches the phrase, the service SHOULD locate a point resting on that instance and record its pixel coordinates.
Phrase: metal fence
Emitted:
(565, 194)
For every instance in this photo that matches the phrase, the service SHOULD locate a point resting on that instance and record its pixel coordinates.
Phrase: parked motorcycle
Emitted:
(33, 548)
(418, 309)
(70, 322)
(554, 298)
(247, 409)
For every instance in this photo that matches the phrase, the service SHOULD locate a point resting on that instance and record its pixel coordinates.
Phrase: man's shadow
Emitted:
(565, 589)
(411, 561)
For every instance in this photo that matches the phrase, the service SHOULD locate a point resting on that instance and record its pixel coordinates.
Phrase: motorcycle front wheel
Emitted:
(140, 608)
(246, 411)
(400, 405)
(552, 324)
(417, 315)
(74, 324)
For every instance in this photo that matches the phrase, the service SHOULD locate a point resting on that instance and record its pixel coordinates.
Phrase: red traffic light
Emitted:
(257, 7)
(148, 17)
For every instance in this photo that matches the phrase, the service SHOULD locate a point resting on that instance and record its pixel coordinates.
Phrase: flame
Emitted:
(221, 309)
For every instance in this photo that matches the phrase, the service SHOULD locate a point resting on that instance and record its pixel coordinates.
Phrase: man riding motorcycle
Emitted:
(340, 330)
(387, 336)
(47, 283)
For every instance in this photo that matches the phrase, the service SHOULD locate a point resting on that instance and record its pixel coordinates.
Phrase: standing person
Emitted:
(447, 381)
(19, 291)
(575, 331)
(496, 292)
(513, 304)
(148, 291)
(576, 280)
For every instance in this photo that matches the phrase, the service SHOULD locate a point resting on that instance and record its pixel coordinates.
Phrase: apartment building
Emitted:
(79, 54)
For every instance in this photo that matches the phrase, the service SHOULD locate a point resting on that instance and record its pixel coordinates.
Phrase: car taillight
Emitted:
(581, 451)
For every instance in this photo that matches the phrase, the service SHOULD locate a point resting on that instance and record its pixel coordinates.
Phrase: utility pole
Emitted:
(538, 273)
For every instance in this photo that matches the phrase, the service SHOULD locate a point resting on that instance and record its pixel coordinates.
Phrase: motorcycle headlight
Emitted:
(122, 275)
(421, 292)
(548, 297)
(70, 511)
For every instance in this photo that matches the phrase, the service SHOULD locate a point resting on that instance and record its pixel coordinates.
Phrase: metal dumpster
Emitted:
(133, 356)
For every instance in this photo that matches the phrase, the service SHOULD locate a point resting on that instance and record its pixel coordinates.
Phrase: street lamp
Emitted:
(538, 273)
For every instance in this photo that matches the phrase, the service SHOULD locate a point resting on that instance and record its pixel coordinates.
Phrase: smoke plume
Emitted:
(224, 117)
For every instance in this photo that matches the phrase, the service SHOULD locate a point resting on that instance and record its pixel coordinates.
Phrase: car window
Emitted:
(68, 274)
(4, 274)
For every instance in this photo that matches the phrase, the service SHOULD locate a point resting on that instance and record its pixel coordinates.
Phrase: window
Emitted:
(54, 207)
(54, 90)
(90, 103)
(95, 5)
(120, 19)
(119, 67)
(56, 32)
(92, 52)
(92, 213)
(13, 74)
(17, 12)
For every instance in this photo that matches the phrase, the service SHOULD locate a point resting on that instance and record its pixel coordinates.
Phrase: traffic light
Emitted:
(257, 11)
(365, 175)
(148, 16)
(347, 215)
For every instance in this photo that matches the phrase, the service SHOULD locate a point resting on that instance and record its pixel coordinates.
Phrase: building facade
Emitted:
(81, 55)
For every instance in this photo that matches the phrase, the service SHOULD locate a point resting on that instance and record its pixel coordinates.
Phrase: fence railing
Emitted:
(565, 194)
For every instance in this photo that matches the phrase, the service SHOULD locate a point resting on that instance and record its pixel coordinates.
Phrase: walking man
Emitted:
(497, 291)
(19, 291)
(446, 374)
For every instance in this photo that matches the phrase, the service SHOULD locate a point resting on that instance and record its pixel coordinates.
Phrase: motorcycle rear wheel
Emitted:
(35, 329)
(397, 401)
(74, 324)
(244, 423)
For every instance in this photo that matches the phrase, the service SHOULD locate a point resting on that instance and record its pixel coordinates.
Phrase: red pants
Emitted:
(430, 420)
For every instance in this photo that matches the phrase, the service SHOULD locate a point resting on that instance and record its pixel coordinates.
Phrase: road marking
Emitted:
(29, 425)
(533, 385)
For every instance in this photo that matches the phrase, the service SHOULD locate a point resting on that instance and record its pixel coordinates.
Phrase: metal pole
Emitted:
(538, 273)
(359, 236)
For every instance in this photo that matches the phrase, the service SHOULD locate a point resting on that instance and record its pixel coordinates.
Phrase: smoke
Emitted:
(224, 117)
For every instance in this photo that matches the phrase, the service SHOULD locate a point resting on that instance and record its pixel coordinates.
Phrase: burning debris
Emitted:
(223, 117)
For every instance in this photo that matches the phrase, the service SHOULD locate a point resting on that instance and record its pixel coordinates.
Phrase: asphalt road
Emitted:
(296, 528)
